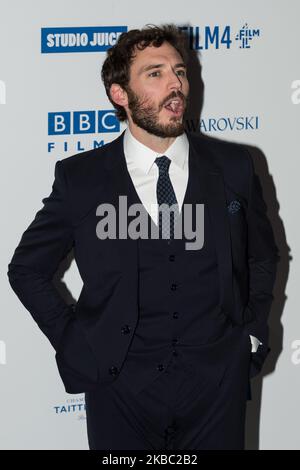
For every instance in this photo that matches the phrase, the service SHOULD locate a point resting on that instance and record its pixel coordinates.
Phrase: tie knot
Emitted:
(163, 164)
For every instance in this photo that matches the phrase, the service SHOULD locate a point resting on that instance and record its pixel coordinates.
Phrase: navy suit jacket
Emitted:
(91, 338)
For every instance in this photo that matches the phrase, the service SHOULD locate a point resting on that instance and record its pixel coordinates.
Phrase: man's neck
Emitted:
(155, 143)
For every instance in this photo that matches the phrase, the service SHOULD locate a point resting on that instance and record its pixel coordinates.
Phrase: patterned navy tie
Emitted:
(165, 195)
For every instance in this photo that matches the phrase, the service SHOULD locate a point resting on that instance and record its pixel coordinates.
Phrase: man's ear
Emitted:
(118, 95)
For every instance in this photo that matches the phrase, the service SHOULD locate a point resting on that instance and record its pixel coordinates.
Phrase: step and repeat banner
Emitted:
(53, 105)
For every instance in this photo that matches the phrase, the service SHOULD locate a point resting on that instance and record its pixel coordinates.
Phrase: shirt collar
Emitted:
(143, 157)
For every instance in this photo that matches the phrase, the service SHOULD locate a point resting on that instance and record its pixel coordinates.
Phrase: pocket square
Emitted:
(234, 206)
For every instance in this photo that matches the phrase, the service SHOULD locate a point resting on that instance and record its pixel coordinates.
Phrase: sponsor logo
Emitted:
(80, 39)
(73, 406)
(220, 37)
(101, 38)
(83, 123)
(245, 35)
(223, 124)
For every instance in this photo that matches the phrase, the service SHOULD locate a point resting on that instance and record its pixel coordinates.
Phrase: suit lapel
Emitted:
(118, 184)
(212, 193)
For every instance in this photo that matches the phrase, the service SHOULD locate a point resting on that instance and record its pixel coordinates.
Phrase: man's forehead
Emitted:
(161, 53)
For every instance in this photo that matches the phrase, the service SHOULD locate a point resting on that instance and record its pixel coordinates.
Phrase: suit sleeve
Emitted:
(44, 244)
(263, 257)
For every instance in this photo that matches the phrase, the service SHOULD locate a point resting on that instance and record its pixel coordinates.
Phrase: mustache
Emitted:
(173, 95)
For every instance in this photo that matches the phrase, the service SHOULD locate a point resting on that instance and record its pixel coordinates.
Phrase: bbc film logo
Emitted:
(83, 122)
(2, 92)
(86, 122)
(295, 96)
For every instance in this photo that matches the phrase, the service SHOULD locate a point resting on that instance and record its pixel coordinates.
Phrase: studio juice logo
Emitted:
(80, 39)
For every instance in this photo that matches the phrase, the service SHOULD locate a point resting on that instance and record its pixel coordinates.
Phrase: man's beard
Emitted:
(146, 116)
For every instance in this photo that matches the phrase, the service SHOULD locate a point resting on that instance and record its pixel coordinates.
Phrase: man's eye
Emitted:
(153, 74)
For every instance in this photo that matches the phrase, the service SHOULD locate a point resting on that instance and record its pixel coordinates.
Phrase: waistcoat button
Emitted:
(113, 370)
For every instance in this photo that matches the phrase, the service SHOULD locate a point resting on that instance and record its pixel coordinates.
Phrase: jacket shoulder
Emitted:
(232, 159)
(224, 152)
(83, 160)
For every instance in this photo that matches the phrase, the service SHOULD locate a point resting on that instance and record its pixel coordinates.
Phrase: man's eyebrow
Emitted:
(157, 66)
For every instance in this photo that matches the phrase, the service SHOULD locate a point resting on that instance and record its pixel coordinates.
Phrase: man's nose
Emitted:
(174, 81)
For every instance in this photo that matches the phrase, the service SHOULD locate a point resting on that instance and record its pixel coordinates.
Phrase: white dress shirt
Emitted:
(144, 173)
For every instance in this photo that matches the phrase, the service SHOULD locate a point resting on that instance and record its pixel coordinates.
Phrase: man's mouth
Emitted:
(174, 106)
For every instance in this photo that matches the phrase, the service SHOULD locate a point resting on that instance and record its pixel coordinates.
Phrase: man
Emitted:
(163, 339)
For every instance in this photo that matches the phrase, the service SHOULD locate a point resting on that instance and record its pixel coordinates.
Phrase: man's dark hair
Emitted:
(116, 67)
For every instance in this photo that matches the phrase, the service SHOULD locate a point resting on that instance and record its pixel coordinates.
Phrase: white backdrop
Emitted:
(252, 96)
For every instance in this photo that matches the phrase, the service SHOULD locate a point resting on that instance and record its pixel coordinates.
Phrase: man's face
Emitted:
(158, 91)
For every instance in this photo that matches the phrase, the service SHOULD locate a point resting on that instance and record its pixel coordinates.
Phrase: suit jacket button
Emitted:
(160, 367)
(113, 370)
(125, 329)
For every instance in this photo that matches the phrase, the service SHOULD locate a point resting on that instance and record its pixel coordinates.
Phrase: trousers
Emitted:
(178, 411)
